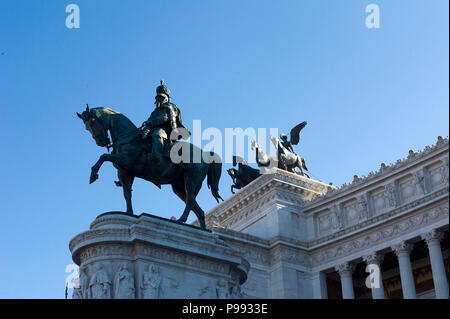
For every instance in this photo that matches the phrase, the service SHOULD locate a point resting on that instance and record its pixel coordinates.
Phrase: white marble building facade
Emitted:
(307, 239)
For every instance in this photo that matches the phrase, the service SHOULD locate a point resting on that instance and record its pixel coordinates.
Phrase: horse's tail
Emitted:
(214, 172)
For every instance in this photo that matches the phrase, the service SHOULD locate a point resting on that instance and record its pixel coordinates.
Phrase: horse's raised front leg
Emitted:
(114, 158)
(96, 168)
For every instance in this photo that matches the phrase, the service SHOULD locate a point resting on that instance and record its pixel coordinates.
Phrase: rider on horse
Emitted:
(165, 119)
(287, 144)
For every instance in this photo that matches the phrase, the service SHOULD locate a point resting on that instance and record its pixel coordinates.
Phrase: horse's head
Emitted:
(232, 172)
(274, 141)
(95, 126)
(254, 145)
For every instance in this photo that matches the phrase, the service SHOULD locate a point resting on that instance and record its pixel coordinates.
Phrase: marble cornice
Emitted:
(154, 232)
(407, 208)
(384, 173)
(86, 237)
(284, 181)
(433, 199)
(287, 241)
(233, 234)
(404, 209)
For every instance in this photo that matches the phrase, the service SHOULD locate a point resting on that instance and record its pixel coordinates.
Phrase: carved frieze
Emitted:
(106, 250)
(183, 259)
(375, 237)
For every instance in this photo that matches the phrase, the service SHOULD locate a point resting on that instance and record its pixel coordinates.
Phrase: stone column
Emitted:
(319, 285)
(433, 240)
(345, 270)
(374, 260)
(402, 250)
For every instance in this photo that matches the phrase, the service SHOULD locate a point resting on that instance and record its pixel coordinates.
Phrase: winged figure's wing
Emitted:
(295, 132)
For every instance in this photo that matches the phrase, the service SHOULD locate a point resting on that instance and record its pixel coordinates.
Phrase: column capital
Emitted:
(373, 258)
(433, 237)
(345, 268)
(402, 248)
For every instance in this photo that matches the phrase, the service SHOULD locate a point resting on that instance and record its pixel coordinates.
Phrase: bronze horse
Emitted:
(131, 157)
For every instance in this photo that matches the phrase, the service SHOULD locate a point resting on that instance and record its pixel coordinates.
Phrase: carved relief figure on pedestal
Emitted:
(419, 178)
(392, 195)
(363, 207)
(446, 169)
(236, 292)
(124, 284)
(77, 294)
(151, 282)
(204, 291)
(84, 282)
(337, 221)
(222, 290)
(99, 285)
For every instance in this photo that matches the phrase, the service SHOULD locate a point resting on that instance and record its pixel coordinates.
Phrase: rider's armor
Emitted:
(287, 144)
(165, 118)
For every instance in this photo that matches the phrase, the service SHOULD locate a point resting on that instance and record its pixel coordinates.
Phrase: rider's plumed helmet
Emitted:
(162, 90)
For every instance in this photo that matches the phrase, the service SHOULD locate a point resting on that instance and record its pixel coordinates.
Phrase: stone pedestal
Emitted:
(124, 256)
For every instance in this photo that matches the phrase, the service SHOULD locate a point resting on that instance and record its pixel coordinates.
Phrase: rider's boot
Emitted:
(157, 149)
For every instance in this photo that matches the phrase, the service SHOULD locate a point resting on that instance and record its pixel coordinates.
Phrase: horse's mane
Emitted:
(104, 112)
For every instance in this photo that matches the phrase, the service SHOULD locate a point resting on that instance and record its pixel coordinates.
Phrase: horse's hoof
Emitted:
(93, 178)
(181, 221)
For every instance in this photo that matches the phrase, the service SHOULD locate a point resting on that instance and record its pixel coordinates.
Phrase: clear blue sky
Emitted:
(369, 95)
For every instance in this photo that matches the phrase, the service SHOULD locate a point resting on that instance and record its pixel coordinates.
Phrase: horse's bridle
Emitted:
(109, 144)
(108, 140)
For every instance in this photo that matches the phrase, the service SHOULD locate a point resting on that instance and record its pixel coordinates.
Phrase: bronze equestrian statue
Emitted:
(152, 159)
(243, 175)
(286, 159)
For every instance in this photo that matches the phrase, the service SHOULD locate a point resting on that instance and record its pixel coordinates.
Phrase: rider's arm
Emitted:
(159, 119)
